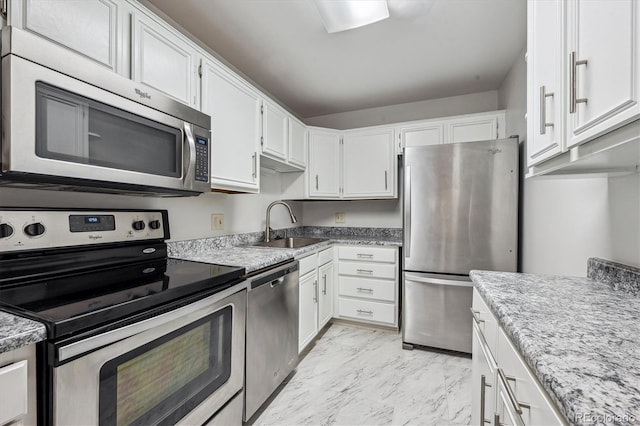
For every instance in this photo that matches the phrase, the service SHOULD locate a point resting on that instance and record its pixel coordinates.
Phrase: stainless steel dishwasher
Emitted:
(272, 333)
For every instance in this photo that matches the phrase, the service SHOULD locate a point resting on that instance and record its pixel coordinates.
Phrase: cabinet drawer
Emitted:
(372, 270)
(514, 373)
(487, 323)
(325, 256)
(366, 310)
(368, 288)
(13, 391)
(308, 264)
(367, 253)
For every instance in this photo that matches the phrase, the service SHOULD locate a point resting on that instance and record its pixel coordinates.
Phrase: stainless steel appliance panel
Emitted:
(272, 333)
(76, 384)
(460, 210)
(168, 142)
(436, 311)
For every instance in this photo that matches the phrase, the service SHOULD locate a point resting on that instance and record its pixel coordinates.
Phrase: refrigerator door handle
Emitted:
(407, 212)
(420, 279)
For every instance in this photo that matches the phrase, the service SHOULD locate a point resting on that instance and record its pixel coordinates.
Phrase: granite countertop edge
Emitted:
(254, 259)
(17, 332)
(531, 352)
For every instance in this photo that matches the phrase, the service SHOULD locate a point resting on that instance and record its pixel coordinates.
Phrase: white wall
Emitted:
(432, 108)
(371, 213)
(566, 220)
(188, 217)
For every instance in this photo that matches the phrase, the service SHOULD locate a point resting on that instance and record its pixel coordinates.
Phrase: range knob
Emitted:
(34, 229)
(6, 230)
(138, 225)
(154, 224)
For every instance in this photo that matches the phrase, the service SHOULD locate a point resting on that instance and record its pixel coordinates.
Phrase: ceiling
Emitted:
(428, 49)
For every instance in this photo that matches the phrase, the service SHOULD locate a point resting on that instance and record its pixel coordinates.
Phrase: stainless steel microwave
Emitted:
(69, 123)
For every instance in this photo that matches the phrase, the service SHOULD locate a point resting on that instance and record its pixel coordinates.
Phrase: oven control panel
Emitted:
(41, 229)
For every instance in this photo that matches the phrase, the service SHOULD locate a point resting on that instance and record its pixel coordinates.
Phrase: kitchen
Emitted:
(566, 219)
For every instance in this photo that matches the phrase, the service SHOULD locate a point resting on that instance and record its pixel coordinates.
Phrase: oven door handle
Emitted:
(190, 164)
(206, 306)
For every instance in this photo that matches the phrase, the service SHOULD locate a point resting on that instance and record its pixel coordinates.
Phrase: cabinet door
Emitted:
(90, 27)
(234, 108)
(323, 176)
(369, 164)
(162, 60)
(544, 72)
(422, 134)
(308, 320)
(325, 294)
(275, 129)
(475, 128)
(606, 34)
(297, 143)
(483, 374)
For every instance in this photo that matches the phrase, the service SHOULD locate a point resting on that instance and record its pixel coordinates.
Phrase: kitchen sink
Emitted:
(290, 243)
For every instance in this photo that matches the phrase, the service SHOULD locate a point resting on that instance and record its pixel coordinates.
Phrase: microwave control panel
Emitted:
(41, 229)
(202, 159)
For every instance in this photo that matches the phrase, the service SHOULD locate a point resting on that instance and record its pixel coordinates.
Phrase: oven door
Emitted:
(187, 362)
(59, 127)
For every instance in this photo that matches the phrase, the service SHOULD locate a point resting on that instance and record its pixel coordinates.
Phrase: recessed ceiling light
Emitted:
(341, 15)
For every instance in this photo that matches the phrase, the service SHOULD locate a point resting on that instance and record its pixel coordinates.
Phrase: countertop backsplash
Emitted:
(616, 275)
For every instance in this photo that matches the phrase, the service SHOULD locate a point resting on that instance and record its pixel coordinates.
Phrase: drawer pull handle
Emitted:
(518, 406)
(361, 312)
(365, 271)
(475, 316)
(483, 385)
(364, 290)
(364, 256)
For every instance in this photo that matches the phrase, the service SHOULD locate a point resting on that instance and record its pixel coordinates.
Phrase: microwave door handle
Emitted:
(190, 164)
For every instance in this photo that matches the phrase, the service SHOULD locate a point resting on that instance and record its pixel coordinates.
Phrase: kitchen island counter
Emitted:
(579, 336)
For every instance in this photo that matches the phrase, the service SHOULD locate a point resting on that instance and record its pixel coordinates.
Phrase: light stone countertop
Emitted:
(16, 332)
(580, 337)
(256, 258)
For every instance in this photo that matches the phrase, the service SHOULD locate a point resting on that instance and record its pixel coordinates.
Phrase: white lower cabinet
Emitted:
(505, 391)
(368, 284)
(316, 295)
(18, 387)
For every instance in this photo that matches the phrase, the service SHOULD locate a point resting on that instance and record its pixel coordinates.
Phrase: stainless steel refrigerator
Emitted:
(460, 213)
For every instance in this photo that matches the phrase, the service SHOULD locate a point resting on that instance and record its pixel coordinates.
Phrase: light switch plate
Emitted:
(340, 217)
(217, 222)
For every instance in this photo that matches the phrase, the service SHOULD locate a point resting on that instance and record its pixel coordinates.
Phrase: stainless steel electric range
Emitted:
(134, 337)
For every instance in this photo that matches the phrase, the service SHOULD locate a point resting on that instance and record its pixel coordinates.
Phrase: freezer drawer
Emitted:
(436, 311)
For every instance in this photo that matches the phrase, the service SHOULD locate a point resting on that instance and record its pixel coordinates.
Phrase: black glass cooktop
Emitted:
(78, 302)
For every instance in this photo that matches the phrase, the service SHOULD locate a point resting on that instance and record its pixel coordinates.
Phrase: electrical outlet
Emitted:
(340, 217)
(217, 222)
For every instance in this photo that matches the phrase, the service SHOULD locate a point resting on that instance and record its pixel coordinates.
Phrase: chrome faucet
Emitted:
(267, 230)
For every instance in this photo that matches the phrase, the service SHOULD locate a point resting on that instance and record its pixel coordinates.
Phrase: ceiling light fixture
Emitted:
(341, 15)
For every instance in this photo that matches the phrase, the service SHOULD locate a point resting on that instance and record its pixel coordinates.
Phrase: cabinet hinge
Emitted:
(497, 129)
(3, 8)
(200, 70)
(261, 109)
(261, 140)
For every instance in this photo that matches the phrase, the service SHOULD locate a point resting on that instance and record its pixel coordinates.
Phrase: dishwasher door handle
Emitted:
(277, 282)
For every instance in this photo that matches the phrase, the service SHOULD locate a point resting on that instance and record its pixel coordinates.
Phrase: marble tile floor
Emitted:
(360, 376)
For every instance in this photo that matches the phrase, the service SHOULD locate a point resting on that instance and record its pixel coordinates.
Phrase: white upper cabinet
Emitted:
(477, 127)
(275, 128)
(163, 60)
(297, 143)
(545, 88)
(323, 170)
(421, 134)
(89, 27)
(603, 66)
(234, 108)
(368, 163)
